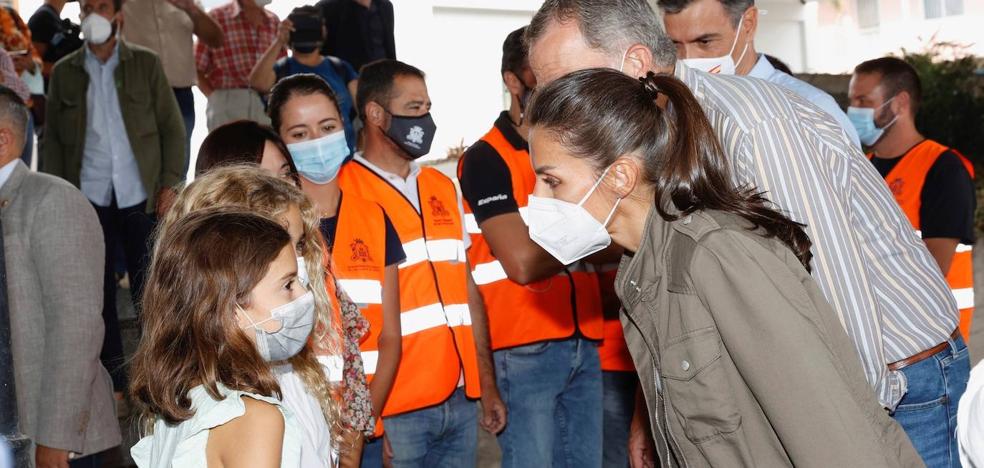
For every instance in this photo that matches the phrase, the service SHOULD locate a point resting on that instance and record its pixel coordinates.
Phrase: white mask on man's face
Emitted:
(723, 65)
(96, 29)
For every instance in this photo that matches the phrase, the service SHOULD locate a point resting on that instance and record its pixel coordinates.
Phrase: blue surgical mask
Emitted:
(296, 322)
(863, 120)
(318, 160)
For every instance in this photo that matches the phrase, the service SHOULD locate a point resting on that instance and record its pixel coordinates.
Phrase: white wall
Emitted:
(839, 47)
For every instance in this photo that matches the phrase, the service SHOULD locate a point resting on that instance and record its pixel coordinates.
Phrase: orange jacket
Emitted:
(546, 310)
(906, 181)
(434, 316)
(613, 352)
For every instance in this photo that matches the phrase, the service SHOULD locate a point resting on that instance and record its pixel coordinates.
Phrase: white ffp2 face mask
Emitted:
(723, 65)
(566, 230)
(96, 29)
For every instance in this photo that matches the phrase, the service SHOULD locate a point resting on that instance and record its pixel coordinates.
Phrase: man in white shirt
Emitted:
(717, 36)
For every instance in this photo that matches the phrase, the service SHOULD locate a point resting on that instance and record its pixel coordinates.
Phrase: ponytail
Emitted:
(695, 175)
(601, 114)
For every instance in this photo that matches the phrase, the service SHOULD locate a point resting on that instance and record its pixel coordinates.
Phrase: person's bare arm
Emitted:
(254, 439)
(493, 409)
(523, 260)
(207, 30)
(942, 250)
(204, 85)
(262, 78)
(390, 342)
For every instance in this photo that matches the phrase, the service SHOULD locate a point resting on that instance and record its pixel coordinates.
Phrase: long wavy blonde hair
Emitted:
(249, 187)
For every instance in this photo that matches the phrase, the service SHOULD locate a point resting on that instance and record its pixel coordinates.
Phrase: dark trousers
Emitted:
(130, 228)
(89, 461)
(186, 102)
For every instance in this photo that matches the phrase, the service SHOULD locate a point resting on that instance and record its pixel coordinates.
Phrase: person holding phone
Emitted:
(304, 33)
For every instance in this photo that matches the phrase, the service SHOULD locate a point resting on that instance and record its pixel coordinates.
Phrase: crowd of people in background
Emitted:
(667, 251)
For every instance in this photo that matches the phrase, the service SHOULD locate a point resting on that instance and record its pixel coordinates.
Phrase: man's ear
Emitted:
(375, 113)
(638, 61)
(750, 25)
(513, 83)
(902, 104)
(7, 141)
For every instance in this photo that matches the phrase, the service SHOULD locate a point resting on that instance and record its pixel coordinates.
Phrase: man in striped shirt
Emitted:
(868, 261)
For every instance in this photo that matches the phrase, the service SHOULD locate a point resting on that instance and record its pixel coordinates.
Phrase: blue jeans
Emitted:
(186, 102)
(619, 402)
(553, 393)
(444, 435)
(928, 411)
(372, 454)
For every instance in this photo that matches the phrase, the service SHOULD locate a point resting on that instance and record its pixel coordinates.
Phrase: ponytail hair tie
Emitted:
(650, 86)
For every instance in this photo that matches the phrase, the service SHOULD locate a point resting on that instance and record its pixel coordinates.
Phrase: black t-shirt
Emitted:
(485, 179)
(948, 199)
(47, 27)
(394, 248)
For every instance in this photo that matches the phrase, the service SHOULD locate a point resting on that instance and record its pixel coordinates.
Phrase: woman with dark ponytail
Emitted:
(742, 362)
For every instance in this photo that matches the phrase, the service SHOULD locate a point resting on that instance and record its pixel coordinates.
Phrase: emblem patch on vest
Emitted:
(896, 187)
(360, 251)
(441, 214)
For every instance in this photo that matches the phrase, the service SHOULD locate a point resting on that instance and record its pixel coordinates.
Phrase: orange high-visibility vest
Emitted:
(359, 255)
(434, 316)
(906, 181)
(545, 310)
(613, 352)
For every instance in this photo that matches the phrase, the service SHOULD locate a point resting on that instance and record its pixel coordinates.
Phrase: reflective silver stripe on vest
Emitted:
(363, 291)
(422, 318)
(964, 297)
(369, 361)
(441, 250)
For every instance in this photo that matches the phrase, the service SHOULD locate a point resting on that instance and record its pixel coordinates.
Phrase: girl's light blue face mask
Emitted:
(320, 159)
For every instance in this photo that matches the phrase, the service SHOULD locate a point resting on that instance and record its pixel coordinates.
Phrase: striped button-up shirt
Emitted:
(876, 272)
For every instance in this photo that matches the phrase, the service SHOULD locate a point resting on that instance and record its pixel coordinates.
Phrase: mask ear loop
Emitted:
(253, 325)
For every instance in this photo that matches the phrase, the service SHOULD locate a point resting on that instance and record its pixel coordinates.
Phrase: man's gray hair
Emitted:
(13, 113)
(609, 25)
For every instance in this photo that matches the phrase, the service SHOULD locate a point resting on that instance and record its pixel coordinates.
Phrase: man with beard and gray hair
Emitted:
(870, 264)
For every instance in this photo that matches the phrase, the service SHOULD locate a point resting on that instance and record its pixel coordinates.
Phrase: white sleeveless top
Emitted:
(317, 447)
(183, 445)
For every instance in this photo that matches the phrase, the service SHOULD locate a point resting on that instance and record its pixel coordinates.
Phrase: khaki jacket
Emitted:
(151, 114)
(742, 361)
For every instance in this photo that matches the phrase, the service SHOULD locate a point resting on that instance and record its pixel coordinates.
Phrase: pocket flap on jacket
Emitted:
(691, 354)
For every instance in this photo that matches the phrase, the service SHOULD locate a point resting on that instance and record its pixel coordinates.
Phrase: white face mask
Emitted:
(296, 322)
(302, 273)
(566, 230)
(96, 29)
(723, 65)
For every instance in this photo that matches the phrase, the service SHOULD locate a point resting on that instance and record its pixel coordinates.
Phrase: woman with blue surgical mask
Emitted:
(722, 317)
(364, 246)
